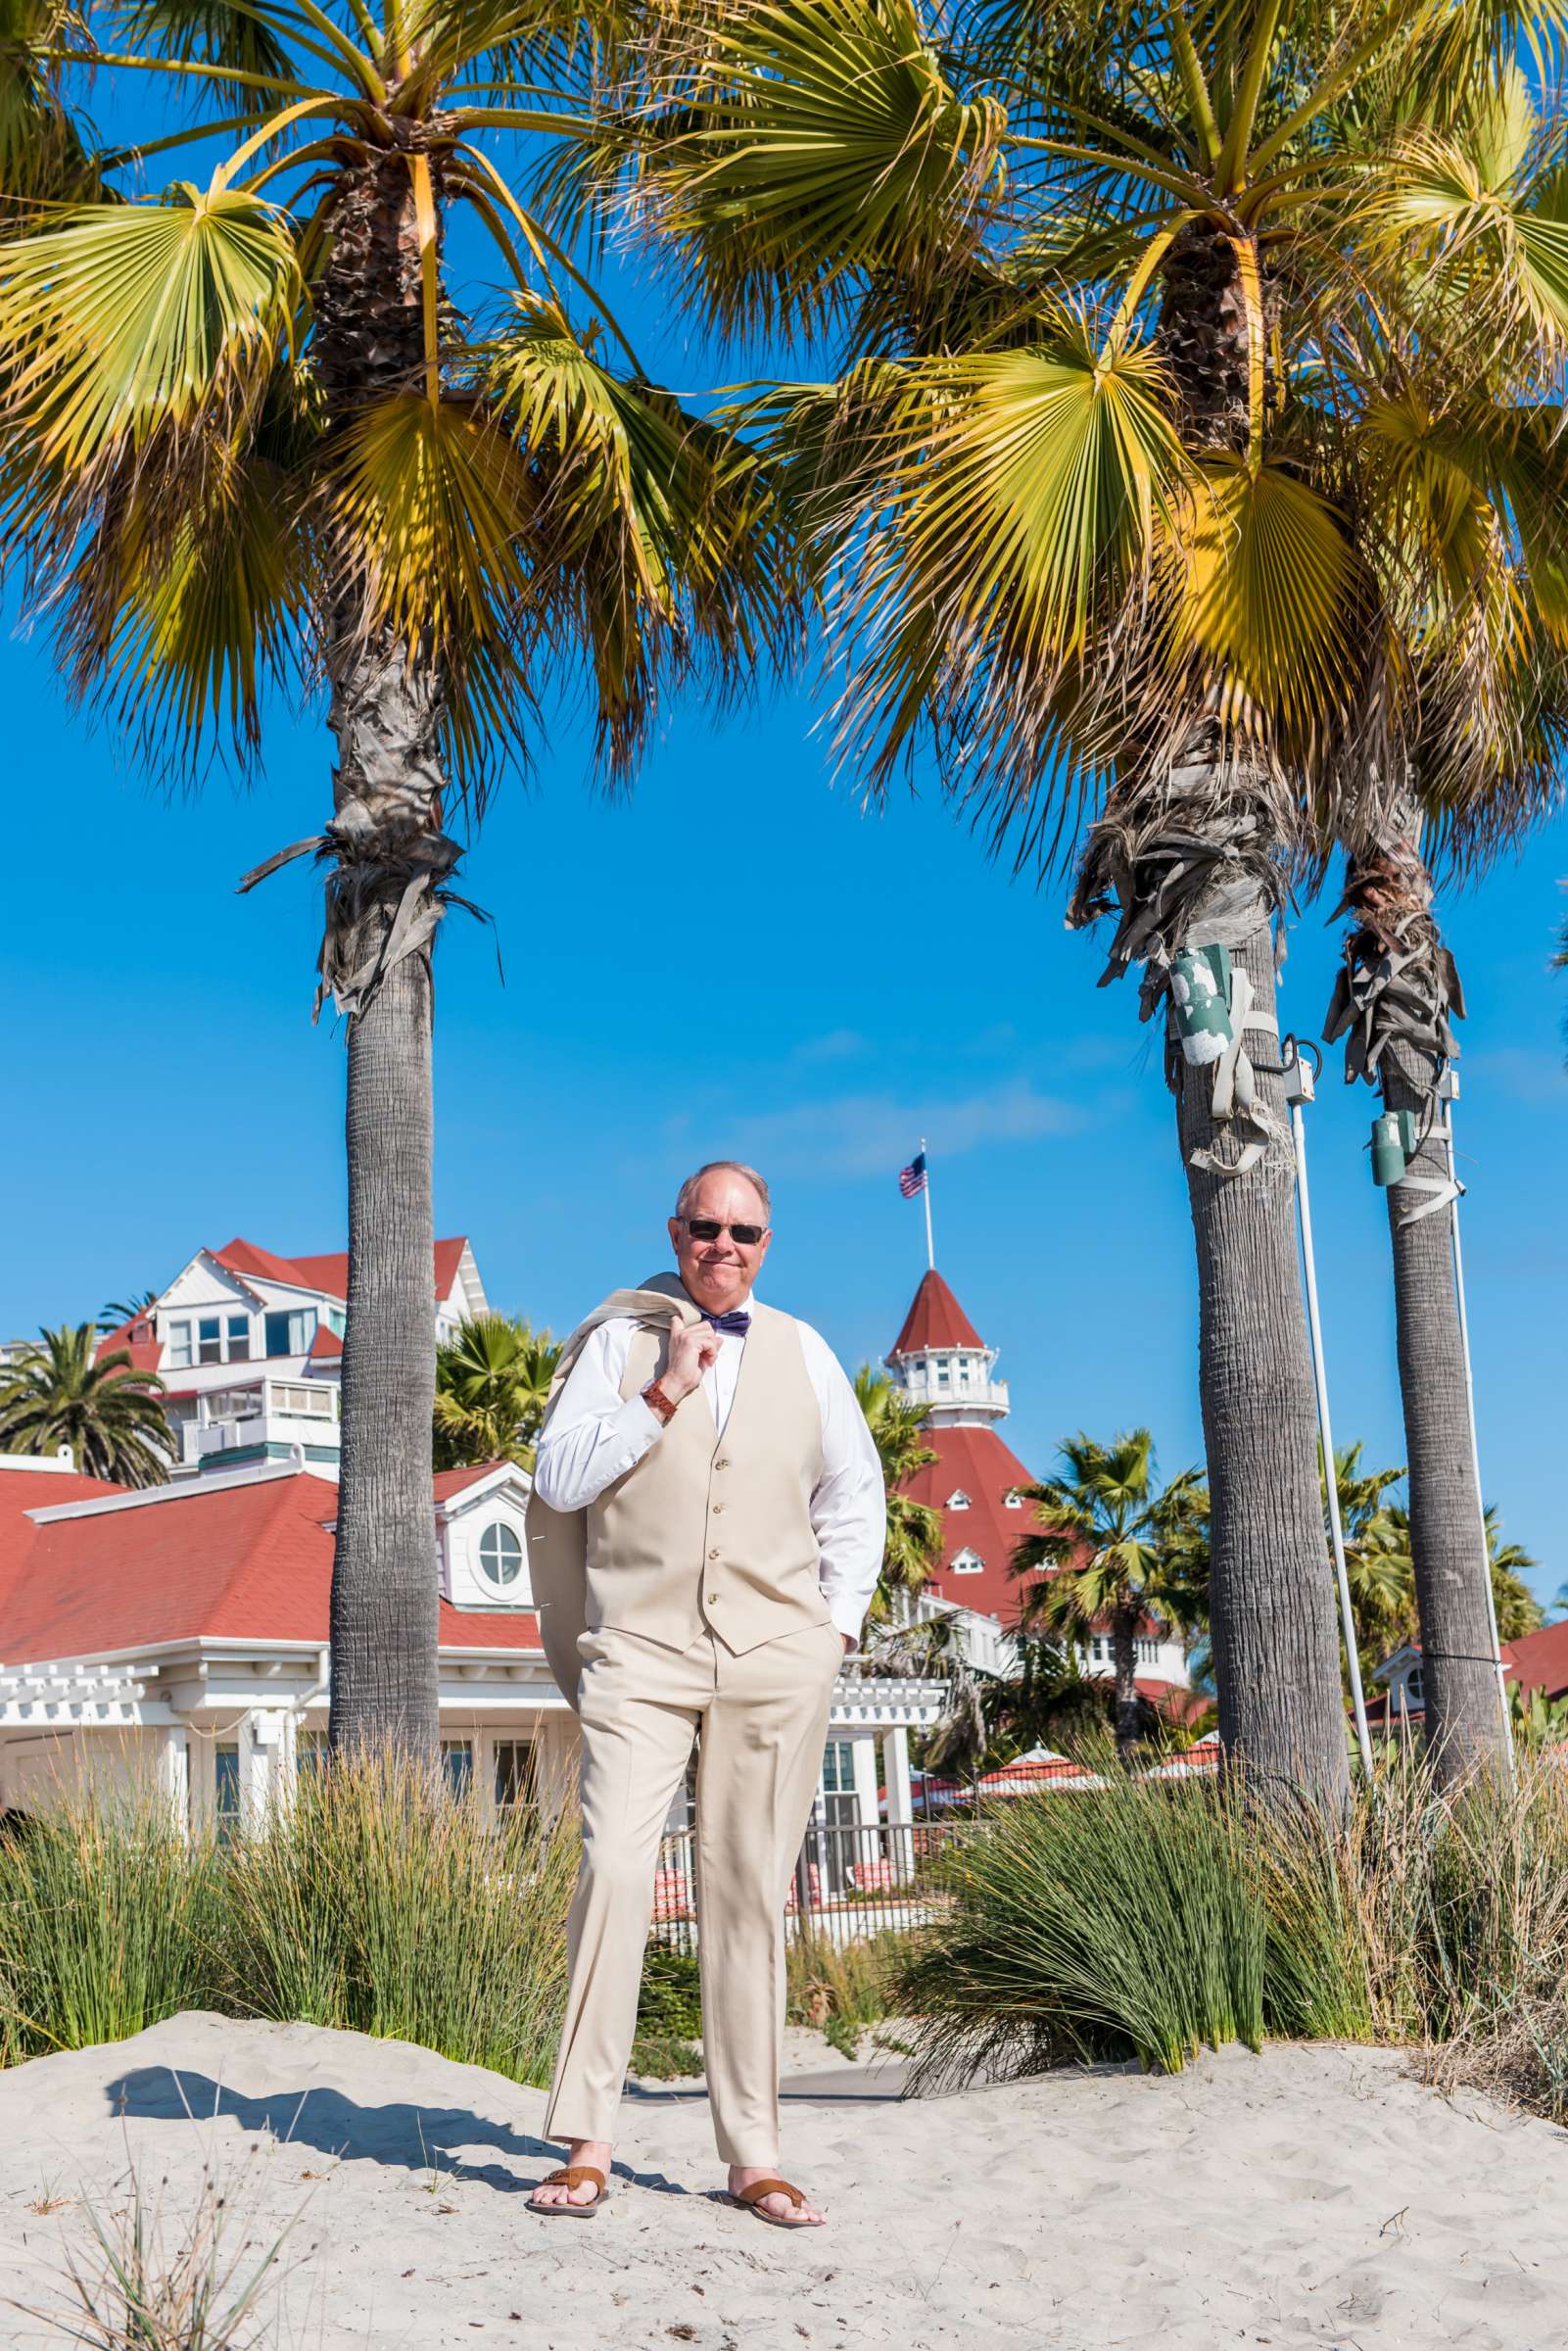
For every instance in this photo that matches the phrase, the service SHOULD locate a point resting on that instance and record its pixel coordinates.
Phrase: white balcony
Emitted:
(263, 1412)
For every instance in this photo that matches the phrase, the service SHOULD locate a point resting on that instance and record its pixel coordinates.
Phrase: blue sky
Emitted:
(736, 960)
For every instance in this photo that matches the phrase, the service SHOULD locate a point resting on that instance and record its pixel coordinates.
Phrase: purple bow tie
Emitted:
(734, 1325)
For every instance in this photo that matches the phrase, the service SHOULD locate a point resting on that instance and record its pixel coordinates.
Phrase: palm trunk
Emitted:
(1124, 1659)
(1395, 996)
(384, 902)
(1275, 1636)
(1187, 852)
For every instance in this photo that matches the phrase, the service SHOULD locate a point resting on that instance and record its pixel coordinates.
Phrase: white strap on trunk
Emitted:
(1235, 1099)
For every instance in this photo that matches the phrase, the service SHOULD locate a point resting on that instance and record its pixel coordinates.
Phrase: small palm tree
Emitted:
(1045, 1700)
(1117, 1548)
(493, 1381)
(914, 1546)
(253, 433)
(1517, 1609)
(112, 1415)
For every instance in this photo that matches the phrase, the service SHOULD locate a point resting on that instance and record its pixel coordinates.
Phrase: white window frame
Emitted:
(966, 1563)
(509, 1588)
(958, 1500)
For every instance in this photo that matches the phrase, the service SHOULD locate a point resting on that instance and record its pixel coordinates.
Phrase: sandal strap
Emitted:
(573, 2174)
(759, 2189)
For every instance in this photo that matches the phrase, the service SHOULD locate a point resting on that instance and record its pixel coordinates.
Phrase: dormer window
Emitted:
(966, 1563)
(500, 1556)
(291, 1330)
(958, 1500)
(1013, 1502)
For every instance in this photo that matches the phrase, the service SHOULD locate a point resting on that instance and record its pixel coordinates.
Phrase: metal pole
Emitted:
(1449, 1087)
(931, 1253)
(1299, 1089)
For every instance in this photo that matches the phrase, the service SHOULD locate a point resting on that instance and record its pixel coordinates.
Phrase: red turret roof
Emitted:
(975, 1461)
(935, 1319)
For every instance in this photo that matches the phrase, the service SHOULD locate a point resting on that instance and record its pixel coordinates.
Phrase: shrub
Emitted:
(1114, 1922)
(840, 1987)
(382, 1904)
(669, 2004)
(1143, 1919)
(108, 1921)
(375, 1902)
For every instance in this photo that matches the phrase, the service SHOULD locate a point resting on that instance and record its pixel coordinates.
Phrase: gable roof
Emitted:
(251, 1560)
(935, 1319)
(328, 1274)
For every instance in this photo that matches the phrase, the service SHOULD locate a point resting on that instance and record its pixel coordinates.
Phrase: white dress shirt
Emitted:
(594, 1436)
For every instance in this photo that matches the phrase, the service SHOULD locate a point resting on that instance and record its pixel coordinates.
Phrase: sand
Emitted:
(1305, 2197)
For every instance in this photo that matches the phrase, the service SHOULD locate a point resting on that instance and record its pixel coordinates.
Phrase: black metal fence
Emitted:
(849, 1883)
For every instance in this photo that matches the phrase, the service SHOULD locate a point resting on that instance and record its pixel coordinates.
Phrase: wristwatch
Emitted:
(663, 1406)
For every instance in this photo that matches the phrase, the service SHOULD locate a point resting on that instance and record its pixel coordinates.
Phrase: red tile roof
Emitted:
(448, 1482)
(250, 1561)
(975, 1461)
(935, 1319)
(1539, 1660)
(327, 1341)
(329, 1274)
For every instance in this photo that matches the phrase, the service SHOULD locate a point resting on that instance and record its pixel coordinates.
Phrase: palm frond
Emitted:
(662, 543)
(803, 145)
(427, 513)
(130, 323)
(251, 37)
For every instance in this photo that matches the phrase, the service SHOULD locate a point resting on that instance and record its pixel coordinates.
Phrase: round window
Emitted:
(501, 1555)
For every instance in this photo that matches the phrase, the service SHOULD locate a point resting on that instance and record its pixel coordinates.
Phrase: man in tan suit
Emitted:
(705, 1535)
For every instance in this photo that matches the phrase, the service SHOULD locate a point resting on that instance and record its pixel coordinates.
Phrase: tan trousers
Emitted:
(763, 1718)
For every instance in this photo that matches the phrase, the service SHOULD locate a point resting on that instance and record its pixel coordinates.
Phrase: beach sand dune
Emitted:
(1310, 2196)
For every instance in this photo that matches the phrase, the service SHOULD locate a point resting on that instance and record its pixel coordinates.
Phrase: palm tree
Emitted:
(1088, 494)
(493, 1381)
(119, 1311)
(1118, 1548)
(1465, 507)
(914, 1545)
(112, 1415)
(251, 434)
(1382, 1594)
(1518, 1612)
(1047, 1700)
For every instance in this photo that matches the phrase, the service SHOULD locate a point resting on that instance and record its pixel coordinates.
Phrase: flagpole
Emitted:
(930, 1252)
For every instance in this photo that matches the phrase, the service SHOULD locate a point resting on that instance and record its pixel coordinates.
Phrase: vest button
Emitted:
(713, 1554)
(721, 1464)
(713, 1600)
(718, 1506)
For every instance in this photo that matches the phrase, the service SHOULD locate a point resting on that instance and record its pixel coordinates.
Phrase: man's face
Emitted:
(718, 1272)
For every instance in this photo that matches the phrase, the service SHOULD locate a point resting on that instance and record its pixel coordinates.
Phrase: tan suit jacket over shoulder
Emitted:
(704, 1533)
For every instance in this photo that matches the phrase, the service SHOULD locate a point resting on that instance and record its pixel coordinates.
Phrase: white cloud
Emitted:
(864, 1135)
(840, 1044)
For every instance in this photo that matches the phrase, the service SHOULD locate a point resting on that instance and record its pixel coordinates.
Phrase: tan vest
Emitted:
(704, 1533)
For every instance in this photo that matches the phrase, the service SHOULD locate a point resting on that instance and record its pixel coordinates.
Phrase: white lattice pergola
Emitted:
(80, 1697)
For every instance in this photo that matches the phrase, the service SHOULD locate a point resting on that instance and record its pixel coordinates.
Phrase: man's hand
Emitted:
(693, 1347)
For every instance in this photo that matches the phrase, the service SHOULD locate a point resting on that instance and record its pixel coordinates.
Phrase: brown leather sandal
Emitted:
(750, 2199)
(572, 2175)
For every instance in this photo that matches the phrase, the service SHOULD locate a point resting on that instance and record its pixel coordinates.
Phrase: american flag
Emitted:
(912, 1180)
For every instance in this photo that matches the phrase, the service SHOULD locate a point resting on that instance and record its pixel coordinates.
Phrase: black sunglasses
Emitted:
(708, 1228)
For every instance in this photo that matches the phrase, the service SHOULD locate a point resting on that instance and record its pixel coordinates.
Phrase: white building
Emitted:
(181, 1631)
(249, 1346)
